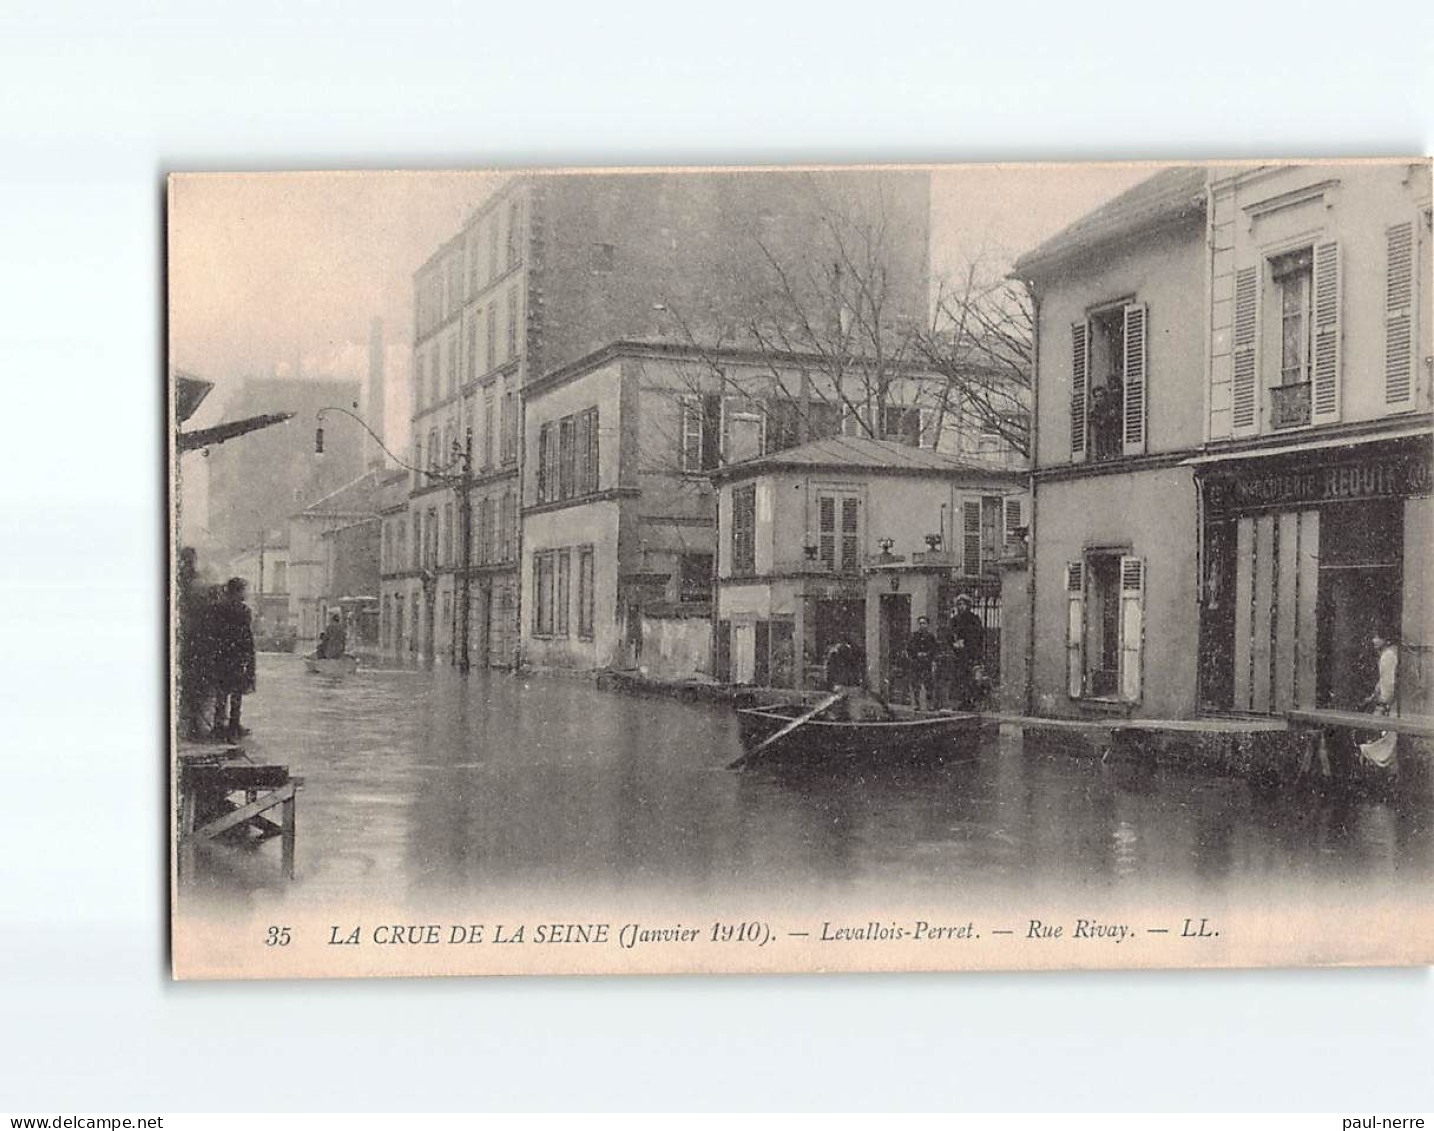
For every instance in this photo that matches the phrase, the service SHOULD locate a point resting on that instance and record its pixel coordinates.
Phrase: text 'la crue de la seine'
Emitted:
(755, 933)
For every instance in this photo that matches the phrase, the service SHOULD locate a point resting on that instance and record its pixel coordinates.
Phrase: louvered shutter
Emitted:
(1075, 629)
(1135, 379)
(545, 436)
(850, 540)
(1244, 391)
(971, 537)
(826, 531)
(594, 451)
(1132, 627)
(1080, 366)
(1013, 524)
(690, 439)
(1325, 396)
(1399, 317)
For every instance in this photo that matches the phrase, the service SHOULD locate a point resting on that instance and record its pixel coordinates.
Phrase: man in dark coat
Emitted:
(231, 638)
(333, 642)
(921, 648)
(846, 667)
(968, 637)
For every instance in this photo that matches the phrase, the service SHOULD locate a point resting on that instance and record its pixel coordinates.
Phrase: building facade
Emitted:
(1119, 406)
(1317, 515)
(544, 273)
(850, 538)
(314, 569)
(1232, 474)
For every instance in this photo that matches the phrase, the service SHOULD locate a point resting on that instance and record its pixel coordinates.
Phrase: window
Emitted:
(493, 265)
(694, 578)
(544, 575)
(1105, 627)
(510, 426)
(601, 258)
(447, 533)
(508, 526)
(281, 577)
(744, 529)
(472, 263)
(472, 370)
(512, 323)
(901, 423)
(1108, 382)
(482, 534)
(1294, 277)
(562, 597)
(585, 592)
(488, 427)
(431, 369)
(701, 433)
(838, 531)
(491, 339)
(515, 224)
(568, 457)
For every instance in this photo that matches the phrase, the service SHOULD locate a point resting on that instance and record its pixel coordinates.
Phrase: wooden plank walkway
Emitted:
(1188, 726)
(1417, 726)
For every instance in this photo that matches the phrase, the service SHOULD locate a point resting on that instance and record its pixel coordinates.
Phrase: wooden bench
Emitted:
(208, 778)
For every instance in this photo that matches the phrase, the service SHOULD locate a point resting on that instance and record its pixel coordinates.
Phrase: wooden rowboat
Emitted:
(337, 665)
(902, 739)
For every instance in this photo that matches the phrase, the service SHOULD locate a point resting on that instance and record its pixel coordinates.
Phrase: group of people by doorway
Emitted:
(216, 654)
(947, 670)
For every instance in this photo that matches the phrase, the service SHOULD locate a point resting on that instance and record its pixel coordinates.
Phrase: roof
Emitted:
(357, 497)
(1172, 194)
(860, 453)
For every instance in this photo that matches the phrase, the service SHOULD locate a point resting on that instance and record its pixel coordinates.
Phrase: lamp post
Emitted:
(457, 474)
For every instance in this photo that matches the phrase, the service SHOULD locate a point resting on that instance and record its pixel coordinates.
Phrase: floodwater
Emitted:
(419, 783)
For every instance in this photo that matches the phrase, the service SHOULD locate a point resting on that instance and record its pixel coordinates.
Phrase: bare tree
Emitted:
(981, 342)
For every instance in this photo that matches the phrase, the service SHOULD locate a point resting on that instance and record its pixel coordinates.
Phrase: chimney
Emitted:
(375, 392)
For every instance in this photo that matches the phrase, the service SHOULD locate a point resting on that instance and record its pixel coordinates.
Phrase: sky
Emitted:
(273, 271)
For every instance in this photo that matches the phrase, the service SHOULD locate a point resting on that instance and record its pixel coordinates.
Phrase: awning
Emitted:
(1311, 446)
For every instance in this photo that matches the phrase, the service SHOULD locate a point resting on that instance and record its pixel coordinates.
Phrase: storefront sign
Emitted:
(1394, 477)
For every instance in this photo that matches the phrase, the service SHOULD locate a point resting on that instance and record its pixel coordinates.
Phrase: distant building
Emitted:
(324, 567)
(553, 268)
(257, 480)
(850, 538)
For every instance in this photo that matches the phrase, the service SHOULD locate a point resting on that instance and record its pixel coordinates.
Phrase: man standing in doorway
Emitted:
(921, 650)
(968, 637)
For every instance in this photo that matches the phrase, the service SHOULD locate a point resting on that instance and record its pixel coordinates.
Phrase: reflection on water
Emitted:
(421, 783)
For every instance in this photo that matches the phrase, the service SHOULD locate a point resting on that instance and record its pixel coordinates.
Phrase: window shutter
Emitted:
(1326, 333)
(1244, 403)
(1075, 629)
(850, 543)
(1080, 365)
(826, 530)
(1013, 523)
(544, 436)
(1132, 626)
(971, 537)
(1399, 316)
(1135, 382)
(691, 434)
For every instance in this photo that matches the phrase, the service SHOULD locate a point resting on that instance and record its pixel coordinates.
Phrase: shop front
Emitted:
(1308, 553)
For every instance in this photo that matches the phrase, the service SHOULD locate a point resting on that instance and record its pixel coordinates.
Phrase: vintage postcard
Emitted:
(801, 569)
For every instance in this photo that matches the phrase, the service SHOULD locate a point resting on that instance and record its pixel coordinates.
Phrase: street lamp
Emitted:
(457, 474)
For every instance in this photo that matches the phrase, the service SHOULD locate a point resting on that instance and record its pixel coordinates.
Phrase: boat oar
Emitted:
(738, 763)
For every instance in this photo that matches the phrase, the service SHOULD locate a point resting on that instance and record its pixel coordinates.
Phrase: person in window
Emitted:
(1105, 422)
(233, 671)
(921, 648)
(968, 637)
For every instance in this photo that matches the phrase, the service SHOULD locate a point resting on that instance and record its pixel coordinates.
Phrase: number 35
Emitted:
(277, 936)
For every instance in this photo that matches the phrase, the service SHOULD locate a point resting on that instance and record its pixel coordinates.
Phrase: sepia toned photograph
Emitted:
(801, 569)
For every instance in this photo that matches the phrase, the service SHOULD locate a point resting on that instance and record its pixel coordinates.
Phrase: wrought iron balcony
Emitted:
(1290, 405)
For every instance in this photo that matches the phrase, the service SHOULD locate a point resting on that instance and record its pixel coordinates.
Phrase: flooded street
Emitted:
(420, 784)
